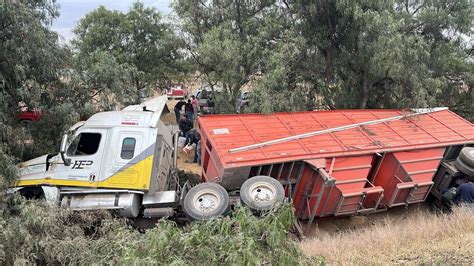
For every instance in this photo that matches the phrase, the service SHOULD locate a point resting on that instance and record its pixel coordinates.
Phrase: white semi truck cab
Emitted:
(123, 160)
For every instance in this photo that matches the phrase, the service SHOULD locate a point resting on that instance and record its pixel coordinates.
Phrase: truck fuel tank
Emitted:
(127, 204)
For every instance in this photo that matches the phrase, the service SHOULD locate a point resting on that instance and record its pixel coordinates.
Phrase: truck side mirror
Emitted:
(62, 150)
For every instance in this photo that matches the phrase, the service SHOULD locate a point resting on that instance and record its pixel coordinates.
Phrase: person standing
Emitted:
(177, 109)
(195, 104)
(210, 105)
(189, 110)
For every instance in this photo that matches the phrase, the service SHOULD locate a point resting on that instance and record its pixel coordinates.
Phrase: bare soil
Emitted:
(185, 162)
(336, 225)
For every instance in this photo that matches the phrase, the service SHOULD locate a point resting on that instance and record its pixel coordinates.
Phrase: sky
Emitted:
(71, 11)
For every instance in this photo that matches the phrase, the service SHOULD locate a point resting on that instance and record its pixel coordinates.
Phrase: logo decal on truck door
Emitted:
(80, 164)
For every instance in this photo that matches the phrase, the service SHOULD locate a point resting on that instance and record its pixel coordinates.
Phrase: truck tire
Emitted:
(467, 156)
(205, 201)
(261, 193)
(463, 167)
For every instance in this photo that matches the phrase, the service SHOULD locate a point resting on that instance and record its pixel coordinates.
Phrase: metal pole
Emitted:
(334, 129)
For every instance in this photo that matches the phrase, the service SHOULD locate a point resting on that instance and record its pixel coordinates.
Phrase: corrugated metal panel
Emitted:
(224, 132)
(343, 189)
(406, 177)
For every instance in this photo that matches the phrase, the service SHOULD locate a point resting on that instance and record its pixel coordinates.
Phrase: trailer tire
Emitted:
(261, 193)
(467, 156)
(463, 167)
(206, 201)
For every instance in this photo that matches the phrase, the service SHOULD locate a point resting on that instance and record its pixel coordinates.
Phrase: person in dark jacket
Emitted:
(185, 125)
(465, 193)
(194, 137)
(189, 110)
(210, 105)
(177, 109)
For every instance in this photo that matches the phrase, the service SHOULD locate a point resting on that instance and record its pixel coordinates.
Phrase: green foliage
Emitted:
(102, 81)
(33, 232)
(384, 54)
(138, 42)
(31, 63)
(299, 55)
(226, 39)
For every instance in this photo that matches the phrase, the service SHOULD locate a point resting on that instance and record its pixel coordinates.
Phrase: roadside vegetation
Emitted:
(31, 232)
(420, 238)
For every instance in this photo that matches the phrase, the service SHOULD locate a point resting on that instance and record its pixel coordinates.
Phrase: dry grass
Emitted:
(420, 238)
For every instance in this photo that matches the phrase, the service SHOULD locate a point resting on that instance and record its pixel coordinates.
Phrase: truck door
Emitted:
(128, 162)
(86, 151)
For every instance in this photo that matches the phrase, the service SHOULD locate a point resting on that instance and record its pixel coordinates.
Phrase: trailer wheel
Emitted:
(463, 167)
(261, 193)
(467, 156)
(205, 201)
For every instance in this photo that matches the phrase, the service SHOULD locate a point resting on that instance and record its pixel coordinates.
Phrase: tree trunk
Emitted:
(328, 70)
(365, 92)
(137, 85)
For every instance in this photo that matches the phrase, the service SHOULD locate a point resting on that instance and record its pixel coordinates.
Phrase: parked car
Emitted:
(26, 115)
(243, 101)
(177, 91)
(202, 96)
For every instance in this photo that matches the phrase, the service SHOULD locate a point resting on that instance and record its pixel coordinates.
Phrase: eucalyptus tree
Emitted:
(301, 54)
(228, 39)
(387, 54)
(31, 61)
(138, 41)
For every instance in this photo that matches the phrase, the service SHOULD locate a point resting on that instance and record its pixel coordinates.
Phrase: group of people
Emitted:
(191, 108)
(186, 125)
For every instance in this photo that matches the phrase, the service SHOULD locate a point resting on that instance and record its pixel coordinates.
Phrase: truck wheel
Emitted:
(205, 201)
(261, 193)
(463, 167)
(467, 156)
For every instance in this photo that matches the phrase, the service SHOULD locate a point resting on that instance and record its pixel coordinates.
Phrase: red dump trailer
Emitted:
(349, 167)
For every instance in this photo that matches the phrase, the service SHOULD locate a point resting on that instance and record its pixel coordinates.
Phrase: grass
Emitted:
(420, 238)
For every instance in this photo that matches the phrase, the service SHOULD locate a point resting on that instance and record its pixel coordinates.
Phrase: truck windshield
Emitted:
(84, 144)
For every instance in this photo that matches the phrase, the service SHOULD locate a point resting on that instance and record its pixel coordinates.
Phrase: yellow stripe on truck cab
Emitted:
(136, 177)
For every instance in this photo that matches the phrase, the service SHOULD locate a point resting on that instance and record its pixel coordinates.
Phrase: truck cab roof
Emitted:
(146, 114)
(120, 118)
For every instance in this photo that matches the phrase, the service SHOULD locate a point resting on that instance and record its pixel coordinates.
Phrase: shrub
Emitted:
(34, 232)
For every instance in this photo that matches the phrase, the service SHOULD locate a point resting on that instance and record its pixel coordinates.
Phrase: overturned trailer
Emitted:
(340, 162)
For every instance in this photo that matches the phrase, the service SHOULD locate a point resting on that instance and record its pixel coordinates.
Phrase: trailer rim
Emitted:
(206, 200)
(263, 192)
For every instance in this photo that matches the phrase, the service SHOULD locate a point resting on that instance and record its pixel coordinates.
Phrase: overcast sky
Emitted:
(71, 11)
